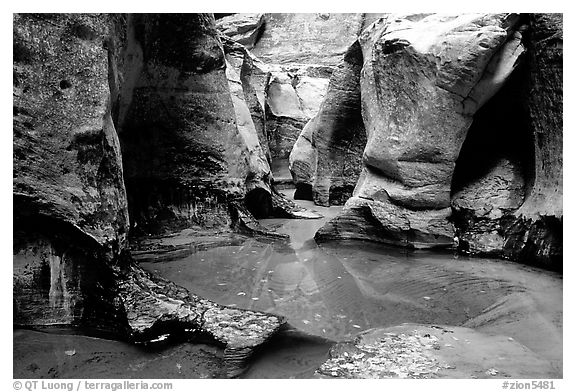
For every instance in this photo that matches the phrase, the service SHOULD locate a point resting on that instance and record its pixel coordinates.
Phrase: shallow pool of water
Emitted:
(339, 289)
(331, 292)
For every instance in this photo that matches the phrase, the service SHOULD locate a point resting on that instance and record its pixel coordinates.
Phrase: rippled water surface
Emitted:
(331, 292)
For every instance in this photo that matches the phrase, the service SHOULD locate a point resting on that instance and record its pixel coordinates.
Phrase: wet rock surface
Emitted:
(156, 309)
(336, 291)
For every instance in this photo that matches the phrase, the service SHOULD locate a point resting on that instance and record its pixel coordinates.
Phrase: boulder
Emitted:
(424, 77)
(157, 309)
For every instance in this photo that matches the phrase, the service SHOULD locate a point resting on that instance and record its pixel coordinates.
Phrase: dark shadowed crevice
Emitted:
(500, 131)
(259, 202)
(494, 171)
(303, 191)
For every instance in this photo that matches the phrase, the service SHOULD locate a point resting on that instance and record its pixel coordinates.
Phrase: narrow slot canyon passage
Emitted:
(288, 196)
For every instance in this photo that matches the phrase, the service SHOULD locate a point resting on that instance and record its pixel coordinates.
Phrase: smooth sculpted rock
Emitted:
(258, 177)
(506, 196)
(262, 200)
(535, 234)
(301, 51)
(326, 160)
(188, 140)
(424, 77)
(71, 263)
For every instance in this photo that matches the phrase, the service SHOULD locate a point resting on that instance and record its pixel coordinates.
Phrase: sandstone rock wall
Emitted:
(70, 211)
(424, 77)
(187, 131)
(189, 142)
(245, 29)
(307, 38)
(463, 117)
(536, 232)
(298, 53)
(326, 159)
(511, 203)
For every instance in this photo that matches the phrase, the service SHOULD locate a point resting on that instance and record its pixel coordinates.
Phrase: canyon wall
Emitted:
(463, 118)
(296, 55)
(449, 129)
(188, 140)
(326, 159)
(508, 200)
(187, 150)
(70, 209)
